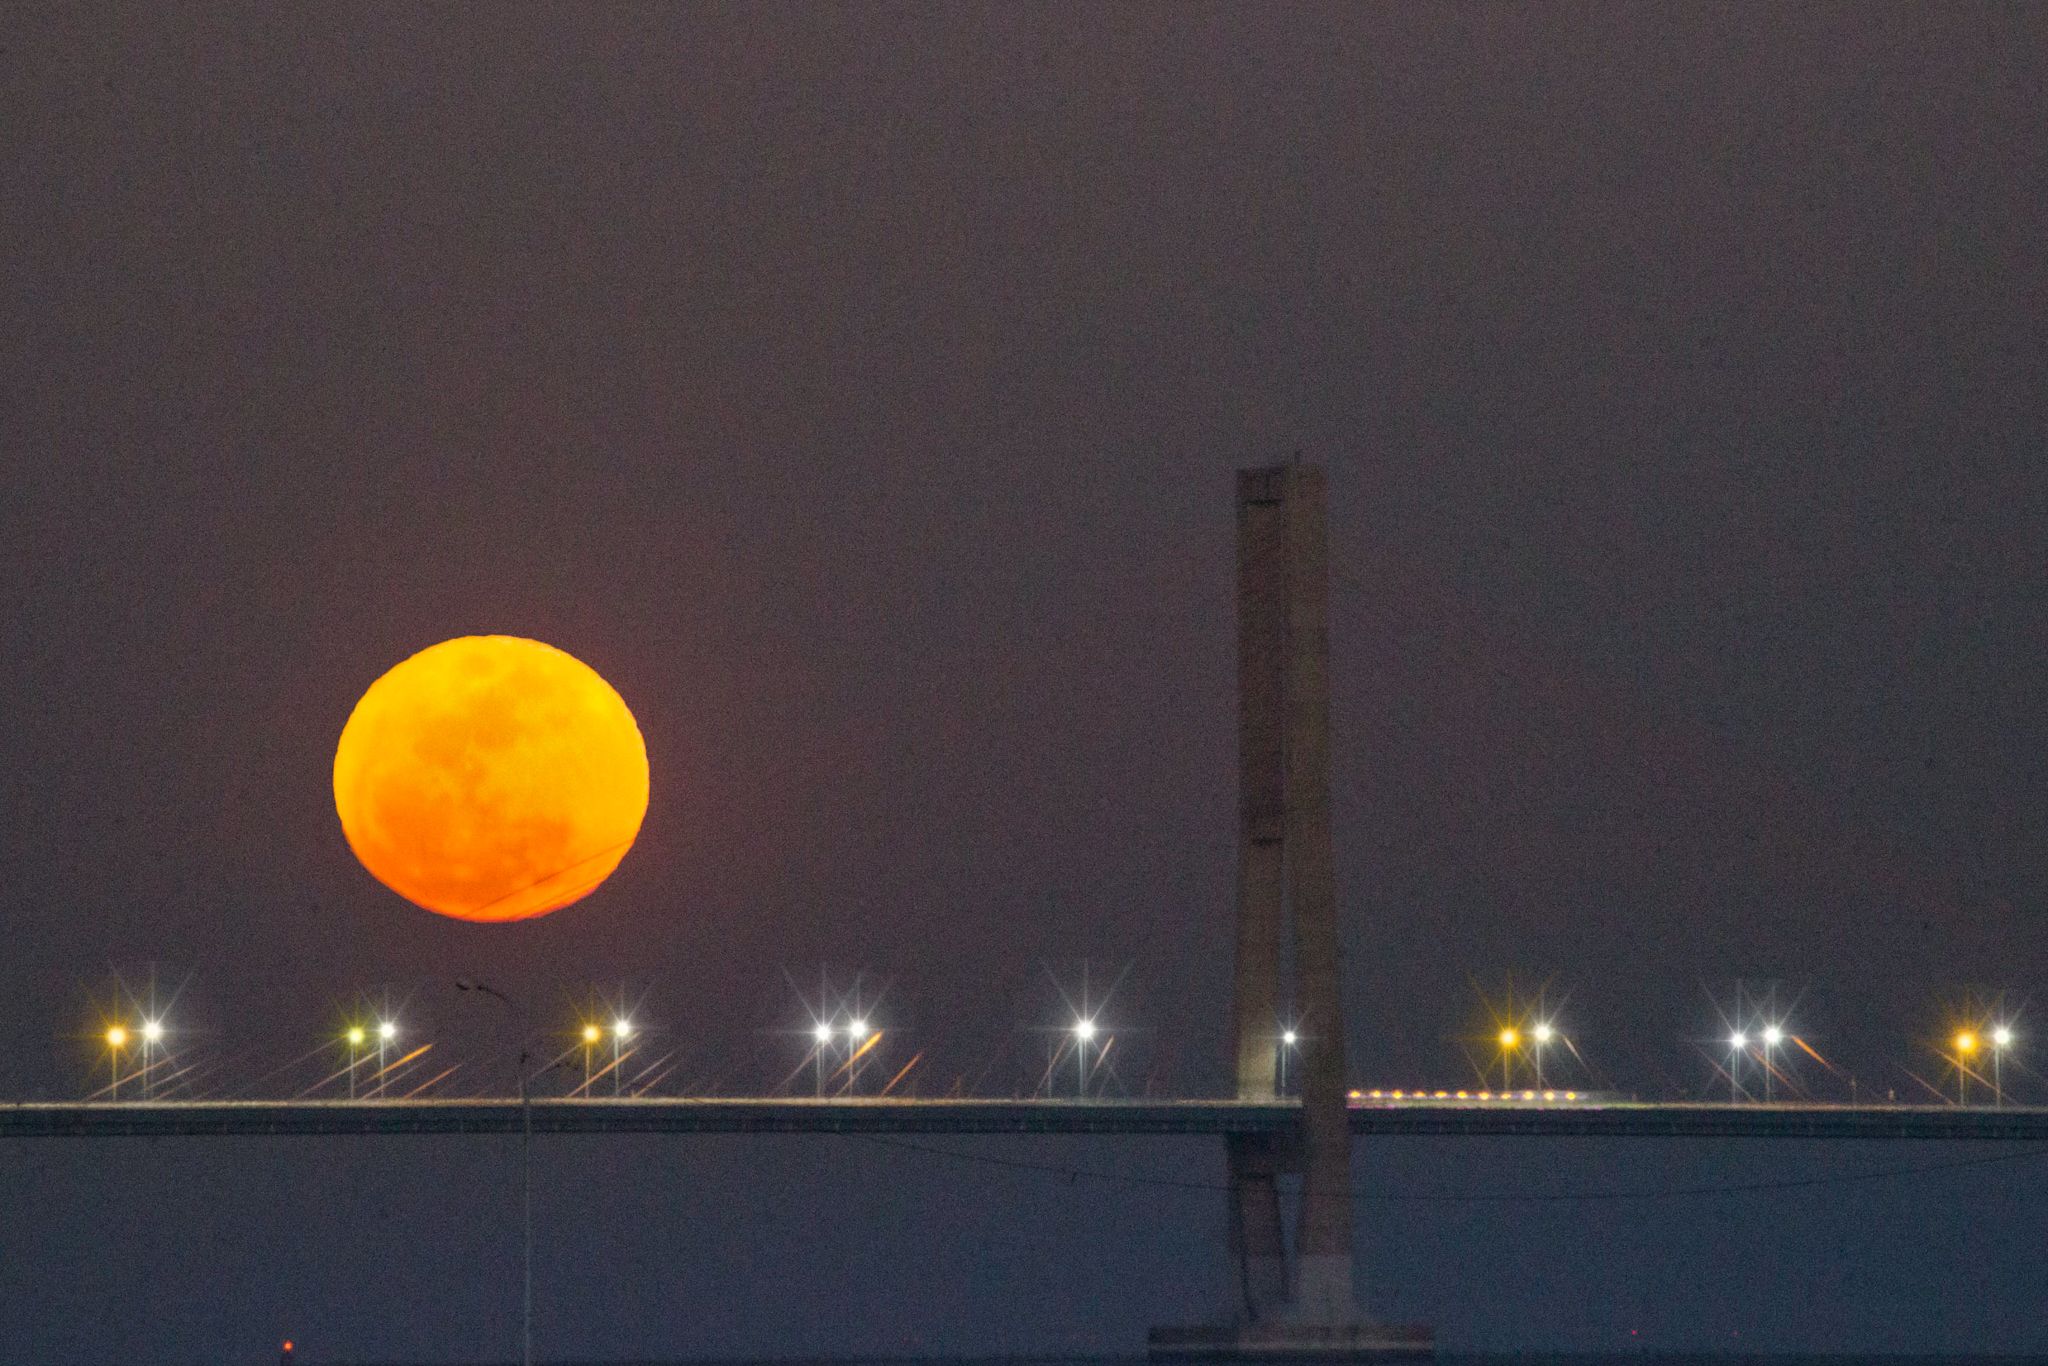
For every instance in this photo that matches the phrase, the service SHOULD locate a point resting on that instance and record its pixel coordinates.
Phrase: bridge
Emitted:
(1295, 1297)
(1228, 1119)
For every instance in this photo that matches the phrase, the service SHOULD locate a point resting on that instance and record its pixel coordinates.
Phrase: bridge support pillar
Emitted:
(1299, 1304)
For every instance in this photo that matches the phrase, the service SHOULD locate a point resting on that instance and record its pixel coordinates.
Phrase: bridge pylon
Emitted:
(1297, 1301)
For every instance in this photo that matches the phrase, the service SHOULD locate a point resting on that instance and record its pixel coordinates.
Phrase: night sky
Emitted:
(858, 389)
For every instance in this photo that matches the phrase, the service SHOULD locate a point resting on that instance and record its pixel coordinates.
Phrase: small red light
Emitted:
(287, 1344)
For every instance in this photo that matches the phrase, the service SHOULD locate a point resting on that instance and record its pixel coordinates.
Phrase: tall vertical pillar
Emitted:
(1285, 875)
(1258, 1240)
(1300, 1308)
(1322, 1273)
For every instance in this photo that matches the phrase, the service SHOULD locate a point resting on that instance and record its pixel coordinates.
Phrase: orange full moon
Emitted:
(491, 778)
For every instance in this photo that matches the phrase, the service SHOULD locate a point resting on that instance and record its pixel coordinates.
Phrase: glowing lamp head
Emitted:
(387, 1030)
(152, 1031)
(1510, 1037)
(1773, 1036)
(2001, 1037)
(823, 1033)
(1543, 1033)
(857, 1030)
(1966, 1042)
(356, 1035)
(117, 1037)
(490, 778)
(1084, 1030)
(1738, 1040)
(591, 1033)
(622, 1029)
(1290, 1038)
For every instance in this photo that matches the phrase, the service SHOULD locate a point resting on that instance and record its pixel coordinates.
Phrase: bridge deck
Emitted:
(1615, 1119)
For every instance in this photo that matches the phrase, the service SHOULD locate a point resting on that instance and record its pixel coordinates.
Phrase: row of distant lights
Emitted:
(1464, 1095)
(1771, 1036)
(856, 1030)
(152, 1031)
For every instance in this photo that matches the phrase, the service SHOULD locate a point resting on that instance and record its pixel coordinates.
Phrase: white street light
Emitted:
(622, 1030)
(1773, 1036)
(822, 1033)
(856, 1030)
(387, 1030)
(2001, 1039)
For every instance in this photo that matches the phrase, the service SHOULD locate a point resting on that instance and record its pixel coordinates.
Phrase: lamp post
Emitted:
(1540, 1035)
(1288, 1040)
(525, 1169)
(152, 1035)
(856, 1031)
(822, 1035)
(387, 1030)
(1966, 1044)
(1773, 1036)
(1509, 1038)
(355, 1045)
(1738, 1044)
(1084, 1034)
(622, 1030)
(2001, 1039)
(117, 1039)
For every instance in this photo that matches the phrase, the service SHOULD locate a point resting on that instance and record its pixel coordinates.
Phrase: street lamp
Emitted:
(117, 1039)
(356, 1035)
(2001, 1039)
(1288, 1039)
(1966, 1044)
(525, 1168)
(1773, 1036)
(823, 1035)
(1738, 1044)
(1509, 1038)
(622, 1030)
(1542, 1034)
(856, 1031)
(591, 1034)
(152, 1035)
(387, 1030)
(1084, 1034)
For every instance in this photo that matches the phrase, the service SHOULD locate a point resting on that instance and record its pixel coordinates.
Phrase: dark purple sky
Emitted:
(858, 389)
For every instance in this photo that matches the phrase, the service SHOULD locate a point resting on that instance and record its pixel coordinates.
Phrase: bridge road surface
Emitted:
(665, 1115)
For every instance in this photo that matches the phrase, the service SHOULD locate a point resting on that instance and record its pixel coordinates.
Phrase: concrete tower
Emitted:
(1285, 876)
(1299, 1302)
